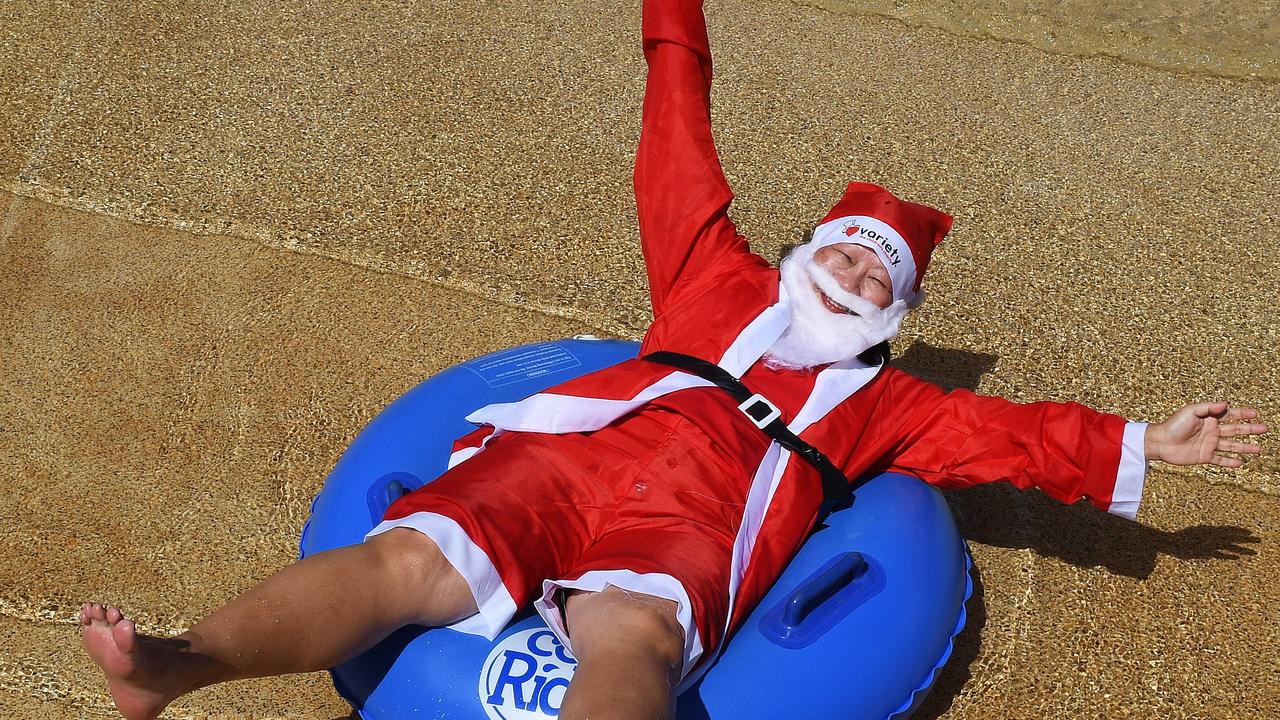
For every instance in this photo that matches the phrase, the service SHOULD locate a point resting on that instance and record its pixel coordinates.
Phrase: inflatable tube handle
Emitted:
(831, 593)
(388, 489)
(820, 589)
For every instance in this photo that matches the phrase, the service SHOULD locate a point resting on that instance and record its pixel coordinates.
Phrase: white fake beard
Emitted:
(817, 336)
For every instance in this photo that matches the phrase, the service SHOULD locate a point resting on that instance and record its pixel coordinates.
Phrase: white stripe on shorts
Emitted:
(497, 607)
(656, 584)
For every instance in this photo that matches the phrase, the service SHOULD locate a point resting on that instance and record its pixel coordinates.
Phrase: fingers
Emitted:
(1234, 429)
(1237, 414)
(1226, 462)
(1235, 446)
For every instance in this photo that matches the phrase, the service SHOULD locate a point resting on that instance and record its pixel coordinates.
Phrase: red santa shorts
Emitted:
(647, 504)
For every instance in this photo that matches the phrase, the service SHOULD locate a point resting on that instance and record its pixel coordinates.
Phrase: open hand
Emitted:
(1196, 434)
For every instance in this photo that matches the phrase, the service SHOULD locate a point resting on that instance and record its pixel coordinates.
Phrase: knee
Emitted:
(434, 590)
(605, 621)
(408, 555)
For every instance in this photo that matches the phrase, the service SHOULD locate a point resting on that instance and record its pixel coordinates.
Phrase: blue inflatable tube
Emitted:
(857, 626)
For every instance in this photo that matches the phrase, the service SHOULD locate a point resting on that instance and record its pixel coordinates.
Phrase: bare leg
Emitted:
(309, 616)
(630, 648)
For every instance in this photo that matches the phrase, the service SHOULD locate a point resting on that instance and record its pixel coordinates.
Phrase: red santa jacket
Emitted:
(715, 299)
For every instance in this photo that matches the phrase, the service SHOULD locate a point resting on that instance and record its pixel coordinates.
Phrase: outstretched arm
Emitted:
(681, 193)
(1196, 434)
(960, 439)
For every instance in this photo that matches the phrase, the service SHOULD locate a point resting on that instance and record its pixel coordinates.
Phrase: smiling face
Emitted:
(859, 271)
(839, 307)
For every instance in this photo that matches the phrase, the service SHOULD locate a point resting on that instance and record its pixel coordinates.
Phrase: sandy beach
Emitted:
(228, 239)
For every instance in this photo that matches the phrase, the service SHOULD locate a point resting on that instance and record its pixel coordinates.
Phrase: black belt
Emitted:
(766, 416)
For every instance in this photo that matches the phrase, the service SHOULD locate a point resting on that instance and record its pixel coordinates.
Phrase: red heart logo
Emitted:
(851, 231)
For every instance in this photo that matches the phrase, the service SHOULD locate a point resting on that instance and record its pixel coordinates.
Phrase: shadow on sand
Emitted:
(1084, 536)
(1079, 534)
(950, 369)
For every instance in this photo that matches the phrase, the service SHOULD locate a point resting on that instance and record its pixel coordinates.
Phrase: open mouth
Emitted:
(832, 305)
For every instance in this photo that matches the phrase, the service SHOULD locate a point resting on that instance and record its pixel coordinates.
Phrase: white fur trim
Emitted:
(496, 605)
(1132, 473)
(763, 483)
(834, 386)
(757, 337)
(889, 246)
(559, 414)
(461, 454)
(656, 584)
(554, 413)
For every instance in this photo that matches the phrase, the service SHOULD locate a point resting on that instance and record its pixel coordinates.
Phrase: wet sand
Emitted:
(1229, 38)
(226, 241)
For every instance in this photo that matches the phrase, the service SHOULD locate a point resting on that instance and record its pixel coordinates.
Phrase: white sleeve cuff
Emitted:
(1132, 472)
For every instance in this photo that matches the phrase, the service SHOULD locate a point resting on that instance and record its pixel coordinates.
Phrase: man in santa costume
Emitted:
(644, 509)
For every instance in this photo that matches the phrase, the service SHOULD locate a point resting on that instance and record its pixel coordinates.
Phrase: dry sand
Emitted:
(229, 238)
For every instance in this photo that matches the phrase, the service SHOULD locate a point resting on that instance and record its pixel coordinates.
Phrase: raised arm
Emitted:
(681, 193)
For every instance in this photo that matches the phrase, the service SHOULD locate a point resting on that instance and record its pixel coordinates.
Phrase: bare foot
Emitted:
(143, 673)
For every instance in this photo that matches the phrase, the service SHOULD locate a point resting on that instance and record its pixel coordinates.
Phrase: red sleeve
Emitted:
(681, 193)
(959, 439)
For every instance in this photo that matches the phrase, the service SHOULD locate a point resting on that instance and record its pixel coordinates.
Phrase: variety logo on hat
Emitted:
(890, 245)
(525, 676)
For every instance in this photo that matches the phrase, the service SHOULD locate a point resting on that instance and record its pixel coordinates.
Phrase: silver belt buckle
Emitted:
(753, 402)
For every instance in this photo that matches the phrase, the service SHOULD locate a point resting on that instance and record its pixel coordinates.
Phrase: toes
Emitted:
(125, 633)
(84, 614)
(114, 615)
(97, 612)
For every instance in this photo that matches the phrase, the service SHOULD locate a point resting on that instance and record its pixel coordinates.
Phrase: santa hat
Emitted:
(903, 234)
